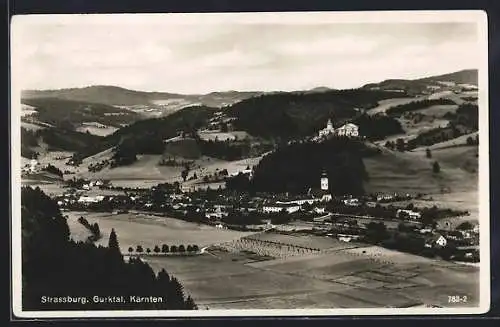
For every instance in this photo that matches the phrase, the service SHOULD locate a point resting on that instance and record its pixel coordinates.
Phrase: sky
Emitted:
(192, 57)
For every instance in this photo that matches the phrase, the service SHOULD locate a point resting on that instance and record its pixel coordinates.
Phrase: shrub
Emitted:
(436, 168)
(164, 248)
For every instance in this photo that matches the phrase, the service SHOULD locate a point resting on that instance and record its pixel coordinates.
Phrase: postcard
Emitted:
(250, 164)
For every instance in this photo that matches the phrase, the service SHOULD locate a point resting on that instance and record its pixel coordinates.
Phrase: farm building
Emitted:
(403, 213)
(436, 240)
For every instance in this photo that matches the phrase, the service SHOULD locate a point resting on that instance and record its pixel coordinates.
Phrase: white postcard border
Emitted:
(476, 16)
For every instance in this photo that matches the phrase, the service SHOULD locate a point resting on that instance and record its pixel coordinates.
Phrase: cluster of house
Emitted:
(91, 184)
(347, 130)
(32, 167)
(347, 230)
(315, 198)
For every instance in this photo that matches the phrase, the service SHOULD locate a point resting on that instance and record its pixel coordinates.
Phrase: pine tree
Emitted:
(176, 294)
(190, 305)
(113, 241)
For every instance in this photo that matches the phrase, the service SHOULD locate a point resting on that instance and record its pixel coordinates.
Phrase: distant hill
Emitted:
(319, 89)
(55, 139)
(467, 76)
(57, 111)
(147, 136)
(118, 96)
(419, 86)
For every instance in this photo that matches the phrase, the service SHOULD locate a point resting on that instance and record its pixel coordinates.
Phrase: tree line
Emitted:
(165, 248)
(417, 105)
(53, 170)
(378, 126)
(93, 228)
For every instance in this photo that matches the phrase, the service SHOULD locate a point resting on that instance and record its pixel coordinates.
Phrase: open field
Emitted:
(438, 110)
(310, 241)
(77, 231)
(146, 168)
(49, 188)
(383, 105)
(347, 278)
(96, 130)
(31, 126)
(221, 136)
(146, 172)
(148, 231)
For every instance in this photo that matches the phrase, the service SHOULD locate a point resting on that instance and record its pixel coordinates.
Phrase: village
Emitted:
(389, 220)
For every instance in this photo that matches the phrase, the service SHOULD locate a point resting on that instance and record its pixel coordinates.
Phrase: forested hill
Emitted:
(272, 116)
(290, 115)
(295, 168)
(55, 266)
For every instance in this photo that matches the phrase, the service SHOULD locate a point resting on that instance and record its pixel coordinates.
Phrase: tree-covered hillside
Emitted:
(147, 136)
(377, 127)
(292, 115)
(53, 266)
(56, 139)
(297, 167)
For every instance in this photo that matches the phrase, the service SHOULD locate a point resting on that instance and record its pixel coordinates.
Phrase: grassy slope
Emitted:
(411, 172)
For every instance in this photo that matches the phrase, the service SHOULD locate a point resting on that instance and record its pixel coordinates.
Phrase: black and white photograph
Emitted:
(242, 164)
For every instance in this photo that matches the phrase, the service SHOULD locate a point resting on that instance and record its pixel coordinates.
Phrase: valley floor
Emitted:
(341, 275)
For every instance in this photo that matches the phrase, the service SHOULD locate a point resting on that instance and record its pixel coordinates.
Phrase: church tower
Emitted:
(329, 125)
(324, 181)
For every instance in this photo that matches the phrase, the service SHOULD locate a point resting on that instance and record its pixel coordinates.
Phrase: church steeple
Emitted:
(324, 181)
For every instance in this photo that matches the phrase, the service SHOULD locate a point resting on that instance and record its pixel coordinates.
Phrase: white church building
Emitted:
(348, 129)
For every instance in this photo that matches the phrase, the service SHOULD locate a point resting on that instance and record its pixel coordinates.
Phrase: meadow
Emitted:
(146, 230)
(366, 277)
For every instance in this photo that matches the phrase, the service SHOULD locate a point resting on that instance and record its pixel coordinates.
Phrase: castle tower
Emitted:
(324, 181)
